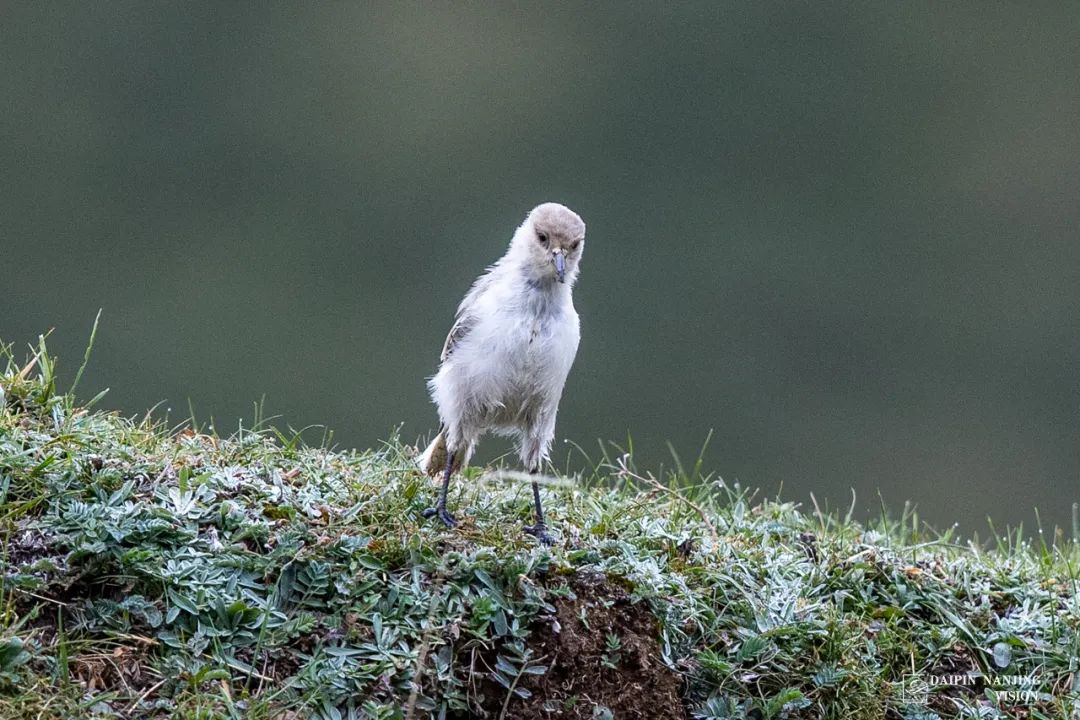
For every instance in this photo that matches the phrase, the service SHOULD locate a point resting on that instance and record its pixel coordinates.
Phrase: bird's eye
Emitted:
(574, 245)
(542, 237)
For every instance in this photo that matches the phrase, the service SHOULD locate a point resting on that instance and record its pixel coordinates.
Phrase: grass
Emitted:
(156, 571)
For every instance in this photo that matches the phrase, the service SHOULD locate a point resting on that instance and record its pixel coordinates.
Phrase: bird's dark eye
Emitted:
(574, 245)
(542, 237)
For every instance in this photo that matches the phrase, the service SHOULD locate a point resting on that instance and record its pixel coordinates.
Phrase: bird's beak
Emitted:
(560, 266)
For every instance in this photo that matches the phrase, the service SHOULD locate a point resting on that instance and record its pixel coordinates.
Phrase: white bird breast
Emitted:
(508, 372)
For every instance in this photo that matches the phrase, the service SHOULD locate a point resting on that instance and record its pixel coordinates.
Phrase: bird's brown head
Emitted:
(553, 239)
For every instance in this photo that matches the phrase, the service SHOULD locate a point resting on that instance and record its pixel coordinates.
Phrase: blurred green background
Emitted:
(844, 237)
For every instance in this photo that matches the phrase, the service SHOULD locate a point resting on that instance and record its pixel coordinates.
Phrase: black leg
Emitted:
(536, 503)
(539, 530)
(439, 510)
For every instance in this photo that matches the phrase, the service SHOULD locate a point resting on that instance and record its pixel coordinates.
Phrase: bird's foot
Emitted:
(540, 532)
(440, 512)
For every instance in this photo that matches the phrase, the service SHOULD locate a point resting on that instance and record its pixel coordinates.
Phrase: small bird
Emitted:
(505, 361)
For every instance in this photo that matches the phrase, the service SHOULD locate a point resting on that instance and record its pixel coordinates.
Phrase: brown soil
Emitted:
(575, 643)
(125, 669)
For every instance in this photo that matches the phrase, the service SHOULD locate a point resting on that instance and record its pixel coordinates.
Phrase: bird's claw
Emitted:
(446, 518)
(540, 532)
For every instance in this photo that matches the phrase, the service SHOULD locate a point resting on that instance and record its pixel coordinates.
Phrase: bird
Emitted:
(509, 351)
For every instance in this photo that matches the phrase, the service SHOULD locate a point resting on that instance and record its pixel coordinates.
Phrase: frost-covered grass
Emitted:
(152, 571)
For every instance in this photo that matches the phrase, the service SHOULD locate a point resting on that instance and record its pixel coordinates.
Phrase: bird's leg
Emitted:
(539, 530)
(439, 510)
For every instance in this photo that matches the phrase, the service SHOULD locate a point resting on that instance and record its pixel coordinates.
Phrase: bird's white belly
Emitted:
(520, 367)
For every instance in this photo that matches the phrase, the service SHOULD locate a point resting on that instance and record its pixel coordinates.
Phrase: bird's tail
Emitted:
(433, 460)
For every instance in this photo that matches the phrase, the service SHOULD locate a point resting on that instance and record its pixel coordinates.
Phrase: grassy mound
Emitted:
(157, 572)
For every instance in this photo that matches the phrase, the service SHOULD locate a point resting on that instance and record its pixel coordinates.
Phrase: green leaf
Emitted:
(751, 648)
(1002, 654)
(182, 602)
(494, 592)
(504, 665)
(499, 621)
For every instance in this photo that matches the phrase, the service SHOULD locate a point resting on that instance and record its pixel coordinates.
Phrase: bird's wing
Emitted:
(461, 328)
(467, 312)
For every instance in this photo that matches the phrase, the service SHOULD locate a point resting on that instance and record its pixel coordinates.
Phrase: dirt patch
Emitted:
(602, 651)
(25, 546)
(124, 669)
